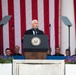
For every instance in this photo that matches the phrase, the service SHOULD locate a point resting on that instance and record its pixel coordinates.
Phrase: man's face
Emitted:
(8, 52)
(57, 50)
(35, 24)
(17, 48)
(49, 51)
(67, 53)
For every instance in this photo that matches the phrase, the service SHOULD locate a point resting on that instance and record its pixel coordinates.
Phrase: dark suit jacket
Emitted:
(58, 54)
(30, 31)
(74, 55)
(16, 54)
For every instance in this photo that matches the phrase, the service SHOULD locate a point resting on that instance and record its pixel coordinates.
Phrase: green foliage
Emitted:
(6, 60)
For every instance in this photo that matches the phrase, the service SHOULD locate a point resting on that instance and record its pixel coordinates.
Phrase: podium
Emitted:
(35, 46)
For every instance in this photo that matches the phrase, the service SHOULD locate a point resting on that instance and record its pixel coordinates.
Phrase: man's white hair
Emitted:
(34, 21)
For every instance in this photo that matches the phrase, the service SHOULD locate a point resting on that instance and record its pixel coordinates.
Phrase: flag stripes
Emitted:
(1, 29)
(46, 18)
(11, 25)
(75, 18)
(51, 23)
(5, 27)
(23, 12)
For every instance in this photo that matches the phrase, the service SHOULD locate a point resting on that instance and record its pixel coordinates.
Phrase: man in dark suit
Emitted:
(16, 51)
(34, 30)
(57, 52)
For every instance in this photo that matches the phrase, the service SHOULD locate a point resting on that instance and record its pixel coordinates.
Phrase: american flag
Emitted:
(23, 12)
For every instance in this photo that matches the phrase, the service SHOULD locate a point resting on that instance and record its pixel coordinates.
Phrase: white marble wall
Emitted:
(38, 67)
(5, 69)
